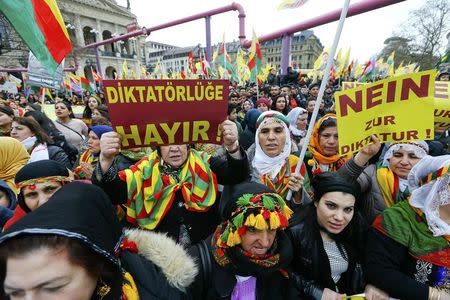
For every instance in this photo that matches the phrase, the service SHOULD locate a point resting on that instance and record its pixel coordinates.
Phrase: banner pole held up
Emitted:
(323, 84)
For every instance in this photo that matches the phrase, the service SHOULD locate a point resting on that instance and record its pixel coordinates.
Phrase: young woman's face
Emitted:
(233, 115)
(310, 106)
(247, 106)
(38, 194)
(20, 132)
(5, 120)
(257, 242)
(49, 275)
(262, 107)
(402, 162)
(328, 141)
(92, 103)
(280, 104)
(334, 211)
(61, 110)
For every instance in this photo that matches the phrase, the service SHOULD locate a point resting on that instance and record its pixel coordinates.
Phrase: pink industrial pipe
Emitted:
(233, 6)
(354, 9)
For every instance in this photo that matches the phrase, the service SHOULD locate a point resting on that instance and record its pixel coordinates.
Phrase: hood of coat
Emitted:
(178, 267)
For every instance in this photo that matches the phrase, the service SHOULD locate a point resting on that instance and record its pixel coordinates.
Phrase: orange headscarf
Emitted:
(315, 148)
(13, 156)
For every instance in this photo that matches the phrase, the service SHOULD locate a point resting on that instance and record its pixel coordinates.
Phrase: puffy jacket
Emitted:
(57, 154)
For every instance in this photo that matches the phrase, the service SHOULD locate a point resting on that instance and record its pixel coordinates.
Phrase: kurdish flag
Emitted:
(254, 60)
(41, 26)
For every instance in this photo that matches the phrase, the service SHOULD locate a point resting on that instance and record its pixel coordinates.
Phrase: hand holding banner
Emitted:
(394, 109)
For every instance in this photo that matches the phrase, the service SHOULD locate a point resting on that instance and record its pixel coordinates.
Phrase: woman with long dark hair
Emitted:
(73, 129)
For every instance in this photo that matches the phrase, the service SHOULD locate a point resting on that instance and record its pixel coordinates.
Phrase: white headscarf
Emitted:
(293, 116)
(430, 196)
(263, 163)
(419, 148)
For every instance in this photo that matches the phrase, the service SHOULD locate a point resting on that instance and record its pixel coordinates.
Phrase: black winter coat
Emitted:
(57, 154)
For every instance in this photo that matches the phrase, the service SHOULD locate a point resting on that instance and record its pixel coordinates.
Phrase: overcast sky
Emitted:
(364, 33)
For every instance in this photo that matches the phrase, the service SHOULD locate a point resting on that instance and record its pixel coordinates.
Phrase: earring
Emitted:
(103, 289)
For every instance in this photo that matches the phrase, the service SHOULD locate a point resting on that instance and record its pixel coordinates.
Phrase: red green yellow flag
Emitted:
(254, 59)
(41, 26)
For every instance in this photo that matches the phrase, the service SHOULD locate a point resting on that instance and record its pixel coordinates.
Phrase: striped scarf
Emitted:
(389, 185)
(280, 183)
(150, 195)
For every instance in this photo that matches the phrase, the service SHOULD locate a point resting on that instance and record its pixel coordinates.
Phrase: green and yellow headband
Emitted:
(31, 183)
(261, 211)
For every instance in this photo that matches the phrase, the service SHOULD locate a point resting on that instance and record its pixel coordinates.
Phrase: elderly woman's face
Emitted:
(302, 121)
(402, 162)
(49, 275)
(258, 242)
(272, 139)
(174, 155)
(93, 142)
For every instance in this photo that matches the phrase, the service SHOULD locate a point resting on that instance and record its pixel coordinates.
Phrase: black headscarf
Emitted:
(38, 169)
(332, 182)
(77, 211)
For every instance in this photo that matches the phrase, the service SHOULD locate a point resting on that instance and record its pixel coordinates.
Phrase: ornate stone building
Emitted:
(305, 48)
(87, 21)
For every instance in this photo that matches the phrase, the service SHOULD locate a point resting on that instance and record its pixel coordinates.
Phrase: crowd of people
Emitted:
(84, 219)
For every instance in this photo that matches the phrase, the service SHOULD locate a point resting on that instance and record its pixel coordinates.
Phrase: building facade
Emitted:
(305, 49)
(87, 21)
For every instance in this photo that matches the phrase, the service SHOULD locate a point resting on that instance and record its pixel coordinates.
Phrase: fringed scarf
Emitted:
(389, 185)
(150, 194)
(281, 181)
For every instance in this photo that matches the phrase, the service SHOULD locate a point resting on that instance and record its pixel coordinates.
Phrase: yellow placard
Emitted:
(395, 109)
(441, 105)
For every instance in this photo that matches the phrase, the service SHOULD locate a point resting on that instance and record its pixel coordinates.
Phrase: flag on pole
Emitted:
(191, 63)
(75, 83)
(96, 76)
(85, 83)
(254, 60)
(291, 4)
(16, 80)
(124, 70)
(42, 28)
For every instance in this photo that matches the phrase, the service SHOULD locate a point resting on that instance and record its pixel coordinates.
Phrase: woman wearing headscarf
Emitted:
(248, 255)
(13, 156)
(247, 138)
(298, 123)
(385, 183)
(328, 240)
(74, 248)
(245, 107)
(175, 188)
(88, 159)
(36, 183)
(271, 161)
(408, 248)
(322, 155)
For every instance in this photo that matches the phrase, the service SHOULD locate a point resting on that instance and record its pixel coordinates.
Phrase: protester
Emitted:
(247, 138)
(91, 104)
(262, 104)
(323, 147)
(407, 249)
(298, 118)
(328, 241)
(36, 141)
(13, 156)
(385, 183)
(6, 118)
(174, 189)
(36, 183)
(7, 203)
(73, 129)
(246, 106)
(232, 116)
(74, 248)
(100, 111)
(271, 162)
(248, 254)
(280, 104)
(88, 159)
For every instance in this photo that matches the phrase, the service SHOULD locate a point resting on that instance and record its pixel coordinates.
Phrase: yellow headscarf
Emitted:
(13, 156)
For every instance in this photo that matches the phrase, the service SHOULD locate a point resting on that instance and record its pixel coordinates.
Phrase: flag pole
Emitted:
(321, 90)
